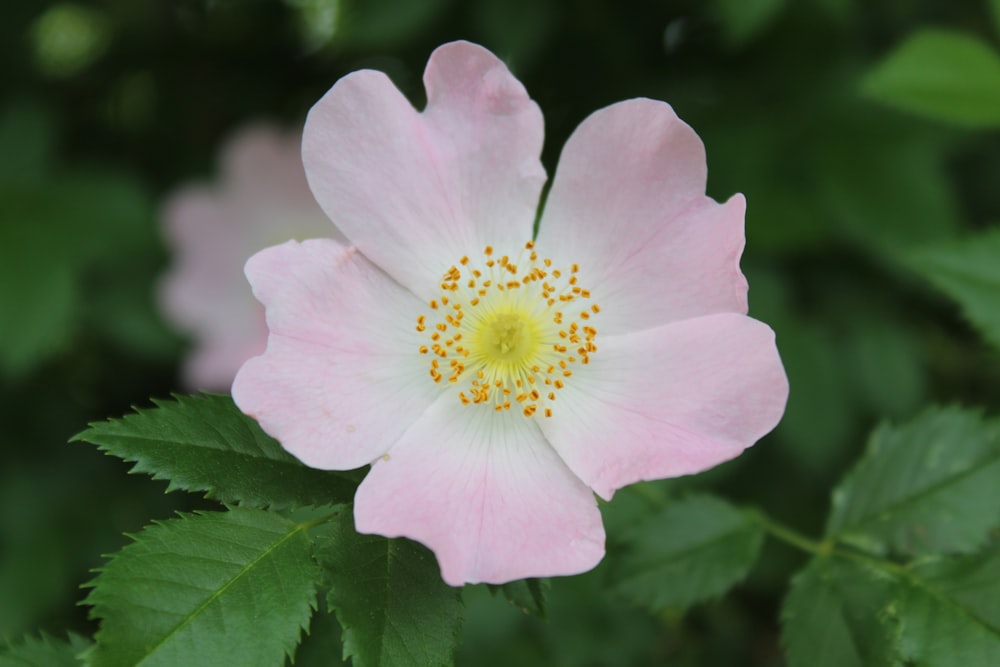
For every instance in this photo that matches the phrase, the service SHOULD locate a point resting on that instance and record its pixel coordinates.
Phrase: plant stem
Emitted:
(789, 536)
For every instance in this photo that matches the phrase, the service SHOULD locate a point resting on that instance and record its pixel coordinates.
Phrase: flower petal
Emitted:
(628, 205)
(417, 191)
(341, 355)
(669, 401)
(204, 293)
(486, 493)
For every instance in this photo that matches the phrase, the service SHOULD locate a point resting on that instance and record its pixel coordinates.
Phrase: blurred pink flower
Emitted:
(493, 383)
(263, 198)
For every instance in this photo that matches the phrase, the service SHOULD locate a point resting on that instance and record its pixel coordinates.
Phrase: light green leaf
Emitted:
(204, 443)
(831, 617)
(213, 589)
(44, 651)
(922, 487)
(389, 598)
(941, 74)
(692, 550)
(969, 272)
(949, 612)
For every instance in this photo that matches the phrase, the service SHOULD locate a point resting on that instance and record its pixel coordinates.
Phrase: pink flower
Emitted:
(493, 383)
(263, 199)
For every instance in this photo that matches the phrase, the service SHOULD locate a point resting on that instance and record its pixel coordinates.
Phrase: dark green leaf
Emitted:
(26, 138)
(528, 595)
(922, 487)
(204, 443)
(321, 647)
(394, 608)
(949, 612)
(222, 588)
(743, 20)
(832, 617)
(942, 74)
(692, 550)
(969, 272)
(44, 651)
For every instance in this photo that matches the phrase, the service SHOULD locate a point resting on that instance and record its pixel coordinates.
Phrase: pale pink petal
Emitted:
(417, 191)
(342, 377)
(262, 199)
(204, 293)
(628, 205)
(486, 493)
(669, 401)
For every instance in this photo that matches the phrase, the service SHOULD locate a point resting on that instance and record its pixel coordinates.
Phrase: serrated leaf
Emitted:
(832, 617)
(388, 595)
(220, 588)
(692, 550)
(969, 272)
(949, 612)
(204, 443)
(44, 651)
(922, 487)
(941, 74)
(528, 595)
(321, 647)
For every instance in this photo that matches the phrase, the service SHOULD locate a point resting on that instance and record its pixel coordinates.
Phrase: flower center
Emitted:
(509, 333)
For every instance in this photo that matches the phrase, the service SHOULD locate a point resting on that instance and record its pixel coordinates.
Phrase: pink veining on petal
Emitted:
(628, 203)
(262, 198)
(487, 494)
(417, 191)
(337, 359)
(669, 401)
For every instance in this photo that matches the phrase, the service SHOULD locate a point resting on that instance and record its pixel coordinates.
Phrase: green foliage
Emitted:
(528, 595)
(389, 598)
(53, 231)
(969, 272)
(44, 651)
(941, 74)
(229, 588)
(743, 20)
(204, 443)
(921, 486)
(692, 550)
(949, 612)
(831, 616)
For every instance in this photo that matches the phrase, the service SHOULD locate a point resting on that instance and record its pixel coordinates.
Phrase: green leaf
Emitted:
(969, 272)
(389, 598)
(26, 140)
(949, 612)
(941, 74)
(832, 617)
(743, 20)
(922, 487)
(204, 443)
(44, 651)
(528, 595)
(321, 647)
(220, 588)
(692, 550)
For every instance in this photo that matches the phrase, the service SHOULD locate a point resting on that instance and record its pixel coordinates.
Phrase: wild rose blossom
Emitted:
(495, 382)
(263, 199)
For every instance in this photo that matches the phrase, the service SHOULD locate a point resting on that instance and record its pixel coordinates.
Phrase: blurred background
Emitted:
(108, 107)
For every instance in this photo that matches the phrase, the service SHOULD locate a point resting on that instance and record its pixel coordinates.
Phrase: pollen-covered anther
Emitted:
(516, 330)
